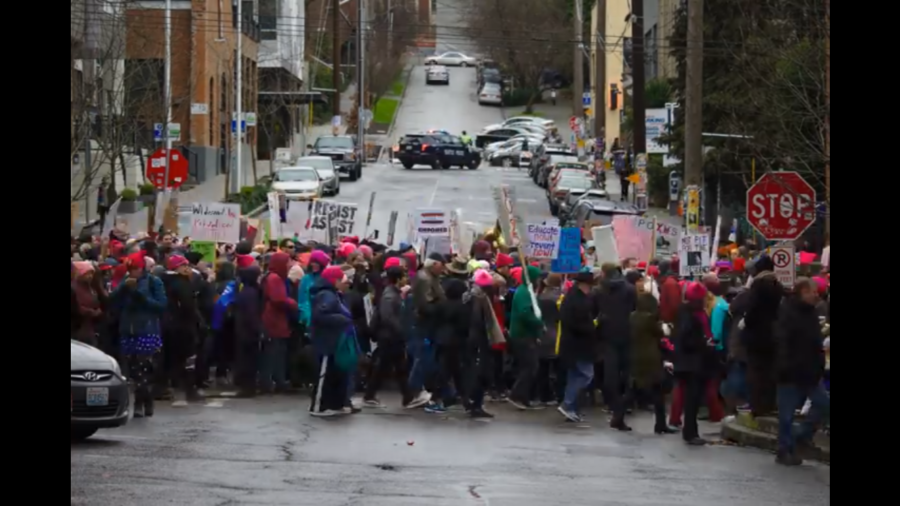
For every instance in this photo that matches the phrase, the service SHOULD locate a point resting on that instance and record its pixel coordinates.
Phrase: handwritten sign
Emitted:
(338, 216)
(693, 255)
(634, 237)
(568, 259)
(216, 222)
(543, 241)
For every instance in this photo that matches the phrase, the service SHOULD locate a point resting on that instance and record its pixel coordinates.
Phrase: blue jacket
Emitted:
(304, 297)
(140, 308)
(330, 317)
(717, 323)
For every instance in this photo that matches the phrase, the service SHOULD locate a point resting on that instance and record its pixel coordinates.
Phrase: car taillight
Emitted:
(396, 147)
(561, 194)
(424, 147)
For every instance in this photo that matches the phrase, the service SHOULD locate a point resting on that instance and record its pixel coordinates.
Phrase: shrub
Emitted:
(147, 189)
(128, 195)
(657, 181)
(518, 97)
(250, 197)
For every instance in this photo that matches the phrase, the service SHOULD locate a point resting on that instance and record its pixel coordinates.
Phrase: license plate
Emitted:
(409, 148)
(97, 396)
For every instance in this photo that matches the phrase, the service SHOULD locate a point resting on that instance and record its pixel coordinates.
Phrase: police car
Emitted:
(437, 150)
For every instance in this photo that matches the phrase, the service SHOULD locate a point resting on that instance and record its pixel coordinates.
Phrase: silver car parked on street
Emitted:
(451, 59)
(324, 165)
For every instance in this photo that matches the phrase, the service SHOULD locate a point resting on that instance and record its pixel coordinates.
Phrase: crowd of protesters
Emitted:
(456, 330)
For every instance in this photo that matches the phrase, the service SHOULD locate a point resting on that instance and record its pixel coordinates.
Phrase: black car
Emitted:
(343, 150)
(437, 151)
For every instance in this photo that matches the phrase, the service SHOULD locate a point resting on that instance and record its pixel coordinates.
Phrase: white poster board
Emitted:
(693, 255)
(216, 221)
(605, 245)
(543, 241)
(432, 223)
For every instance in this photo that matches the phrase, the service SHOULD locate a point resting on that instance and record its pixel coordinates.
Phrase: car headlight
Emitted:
(114, 364)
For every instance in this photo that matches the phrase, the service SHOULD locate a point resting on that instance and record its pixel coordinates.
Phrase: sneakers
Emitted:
(328, 413)
(570, 415)
(480, 413)
(373, 403)
(550, 404)
(665, 430)
(524, 406)
(419, 401)
(697, 441)
(435, 408)
(788, 459)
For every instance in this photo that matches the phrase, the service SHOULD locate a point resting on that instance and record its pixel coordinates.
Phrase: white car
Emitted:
(527, 120)
(298, 183)
(451, 59)
(490, 94)
(437, 74)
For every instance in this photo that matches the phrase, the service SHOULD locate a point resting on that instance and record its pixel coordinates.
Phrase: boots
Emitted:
(143, 403)
(788, 459)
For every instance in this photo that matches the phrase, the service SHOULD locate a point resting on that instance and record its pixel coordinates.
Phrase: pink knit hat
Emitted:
(695, 292)
(333, 274)
(392, 262)
(345, 249)
(483, 278)
(366, 252)
(319, 257)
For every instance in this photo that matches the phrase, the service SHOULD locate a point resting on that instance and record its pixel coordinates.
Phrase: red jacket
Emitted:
(669, 299)
(278, 308)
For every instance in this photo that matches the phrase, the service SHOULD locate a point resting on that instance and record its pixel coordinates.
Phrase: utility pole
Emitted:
(88, 63)
(360, 80)
(828, 118)
(167, 94)
(336, 55)
(578, 85)
(693, 114)
(600, 87)
(639, 84)
(239, 96)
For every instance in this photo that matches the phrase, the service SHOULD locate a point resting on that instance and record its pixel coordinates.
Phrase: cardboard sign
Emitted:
(605, 248)
(543, 241)
(216, 222)
(568, 259)
(432, 223)
(693, 255)
(205, 248)
(336, 219)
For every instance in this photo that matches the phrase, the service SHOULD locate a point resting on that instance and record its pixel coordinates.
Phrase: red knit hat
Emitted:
(503, 260)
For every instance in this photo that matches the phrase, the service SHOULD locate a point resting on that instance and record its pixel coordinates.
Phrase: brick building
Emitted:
(203, 76)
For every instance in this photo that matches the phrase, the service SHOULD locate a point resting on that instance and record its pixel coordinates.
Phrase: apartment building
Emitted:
(203, 76)
(659, 22)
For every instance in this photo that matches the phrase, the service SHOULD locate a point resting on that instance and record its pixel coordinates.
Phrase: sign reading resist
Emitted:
(341, 217)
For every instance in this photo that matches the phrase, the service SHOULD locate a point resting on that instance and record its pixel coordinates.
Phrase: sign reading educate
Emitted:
(216, 222)
(543, 241)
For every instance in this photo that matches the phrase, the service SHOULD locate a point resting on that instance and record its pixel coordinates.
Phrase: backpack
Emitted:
(346, 356)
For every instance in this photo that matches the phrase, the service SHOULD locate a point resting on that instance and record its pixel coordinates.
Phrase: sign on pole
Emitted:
(156, 168)
(693, 254)
(781, 206)
(785, 265)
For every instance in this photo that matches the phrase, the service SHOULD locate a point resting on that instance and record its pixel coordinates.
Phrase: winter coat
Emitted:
(427, 296)
(454, 315)
(646, 335)
(615, 302)
(90, 310)
(669, 299)
(481, 315)
(548, 301)
(353, 299)
(182, 315)
(389, 318)
(692, 355)
(304, 302)
(800, 358)
(140, 308)
(524, 324)
(738, 308)
(578, 334)
(720, 322)
(330, 317)
(248, 307)
(762, 313)
(278, 308)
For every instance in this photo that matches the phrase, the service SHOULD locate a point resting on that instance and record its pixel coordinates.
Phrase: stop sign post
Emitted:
(156, 168)
(781, 206)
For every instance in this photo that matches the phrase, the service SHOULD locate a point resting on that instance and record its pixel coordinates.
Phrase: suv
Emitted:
(343, 151)
(437, 151)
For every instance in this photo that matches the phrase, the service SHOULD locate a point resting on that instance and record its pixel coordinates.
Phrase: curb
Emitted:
(390, 131)
(735, 432)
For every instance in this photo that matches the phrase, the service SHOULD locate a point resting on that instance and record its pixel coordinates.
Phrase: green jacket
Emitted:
(524, 324)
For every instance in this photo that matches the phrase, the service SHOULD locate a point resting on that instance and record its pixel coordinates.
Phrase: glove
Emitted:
(669, 366)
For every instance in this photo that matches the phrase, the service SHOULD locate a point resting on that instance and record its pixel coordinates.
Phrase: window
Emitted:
(268, 19)
(221, 26)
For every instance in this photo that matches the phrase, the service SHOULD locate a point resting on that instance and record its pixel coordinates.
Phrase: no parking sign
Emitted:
(785, 265)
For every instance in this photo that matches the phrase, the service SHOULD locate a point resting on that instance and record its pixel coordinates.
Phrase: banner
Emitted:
(216, 222)
(568, 259)
(693, 255)
(543, 241)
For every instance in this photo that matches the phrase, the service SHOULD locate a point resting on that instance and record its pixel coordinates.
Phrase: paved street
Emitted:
(268, 451)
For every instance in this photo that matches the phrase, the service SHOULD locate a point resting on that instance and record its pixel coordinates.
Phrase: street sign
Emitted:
(249, 119)
(367, 115)
(573, 122)
(175, 131)
(156, 168)
(158, 132)
(586, 98)
(785, 265)
(234, 126)
(781, 206)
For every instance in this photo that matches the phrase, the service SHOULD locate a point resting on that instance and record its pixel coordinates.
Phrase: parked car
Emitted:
(558, 191)
(437, 74)
(436, 151)
(597, 213)
(512, 154)
(544, 174)
(331, 181)
(451, 59)
(516, 139)
(543, 154)
(578, 195)
(343, 150)
(547, 124)
(567, 168)
(490, 94)
(100, 395)
(490, 76)
(297, 183)
(489, 136)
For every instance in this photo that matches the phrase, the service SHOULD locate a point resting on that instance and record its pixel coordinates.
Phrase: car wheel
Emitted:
(554, 210)
(354, 175)
(507, 163)
(81, 433)
(446, 166)
(436, 165)
(463, 64)
(473, 165)
(407, 165)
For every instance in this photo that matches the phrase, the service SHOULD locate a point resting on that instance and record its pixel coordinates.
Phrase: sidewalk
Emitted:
(762, 433)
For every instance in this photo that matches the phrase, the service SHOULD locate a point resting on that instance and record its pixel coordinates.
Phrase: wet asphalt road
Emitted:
(268, 451)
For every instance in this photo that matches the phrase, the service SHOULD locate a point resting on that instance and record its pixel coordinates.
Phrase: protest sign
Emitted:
(543, 241)
(634, 237)
(568, 258)
(715, 244)
(501, 203)
(274, 200)
(205, 248)
(109, 222)
(432, 223)
(217, 222)
(693, 255)
(369, 214)
(455, 243)
(605, 245)
(333, 218)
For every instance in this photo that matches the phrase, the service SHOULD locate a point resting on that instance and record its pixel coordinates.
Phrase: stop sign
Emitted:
(781, 206)
(156, 168)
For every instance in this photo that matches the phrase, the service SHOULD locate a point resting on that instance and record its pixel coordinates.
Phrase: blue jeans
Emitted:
(735, 384)
(578, 378)
(274, 362)
(421, 352)
(791, 398)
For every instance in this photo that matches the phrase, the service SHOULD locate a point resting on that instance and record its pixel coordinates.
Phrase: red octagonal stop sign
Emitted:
(781, 206)
(156, 168)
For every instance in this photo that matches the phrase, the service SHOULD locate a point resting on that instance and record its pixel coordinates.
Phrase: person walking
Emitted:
(334, 340)
(577, 341)
(278, 310)
(525, 333)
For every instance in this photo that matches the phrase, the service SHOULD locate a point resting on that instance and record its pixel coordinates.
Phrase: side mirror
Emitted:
(309, 146)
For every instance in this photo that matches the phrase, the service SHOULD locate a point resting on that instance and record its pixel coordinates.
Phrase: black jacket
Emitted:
(692, 353)
(799, 359)
(388, 316)
(762, 312)
(181, 319)
(615, 301)
(453, 324)
(248, 307)
(578, 336)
